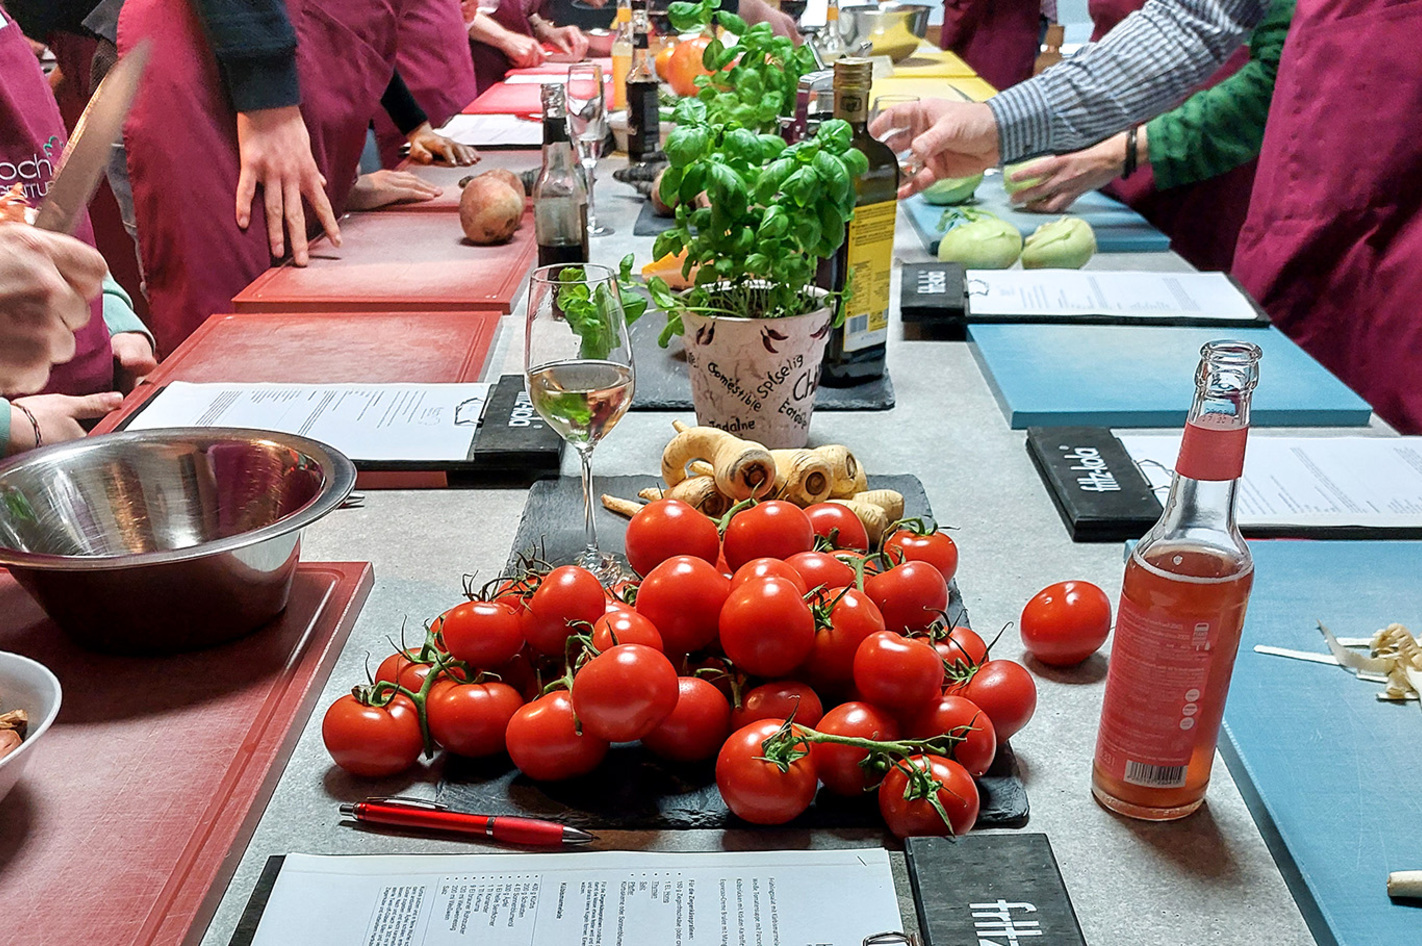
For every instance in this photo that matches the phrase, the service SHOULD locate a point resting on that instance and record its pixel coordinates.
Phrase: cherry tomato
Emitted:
(697, 726)
(777, 700)
(483, 633)
(469, 719)
(960, 717)
(544, 743)
(520, 674)
(839, 525)
(758, 568)
(852, 618)
(409, 673)
(623, 693)
(665, 528)
(936, 548)
(962, 650)
(1065, 623)
(766, 627)
(757, 790)
(910, 596)
(774, 529)
(624, 627)
(821, 569)
(682, 597)
(908, 817)
(566, 595)
(1006, 692)
(840, 767)
(896, 672)
(373, 741)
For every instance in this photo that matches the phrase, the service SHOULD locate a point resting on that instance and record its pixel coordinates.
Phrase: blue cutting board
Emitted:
(1144, 376)
(1330, 773)
(1118, 228)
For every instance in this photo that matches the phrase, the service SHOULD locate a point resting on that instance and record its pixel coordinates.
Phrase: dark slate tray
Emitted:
(649, 224)
(633, 789)
(662, 383)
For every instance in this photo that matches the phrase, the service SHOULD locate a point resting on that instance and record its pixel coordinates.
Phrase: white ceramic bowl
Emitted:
(26, 685)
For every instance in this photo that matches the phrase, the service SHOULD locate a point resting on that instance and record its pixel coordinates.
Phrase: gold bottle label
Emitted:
(870, 263)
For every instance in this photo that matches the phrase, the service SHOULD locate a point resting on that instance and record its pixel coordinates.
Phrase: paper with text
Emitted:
(1068, 292)
(372, 422)
(767, 898)
(489, 130)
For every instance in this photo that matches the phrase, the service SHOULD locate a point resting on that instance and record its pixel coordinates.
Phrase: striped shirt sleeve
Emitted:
(1139, 70)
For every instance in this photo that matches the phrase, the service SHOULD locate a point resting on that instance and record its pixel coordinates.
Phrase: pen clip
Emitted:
(407, 801)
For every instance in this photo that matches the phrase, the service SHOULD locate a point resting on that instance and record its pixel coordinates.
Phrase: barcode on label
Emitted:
(857, 324)
(1155, 776)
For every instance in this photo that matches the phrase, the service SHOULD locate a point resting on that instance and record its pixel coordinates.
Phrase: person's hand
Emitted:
(426, 144)
(524, 52)
(382, 188)
(133, 354)
(46, 282)
(758, 11)
(58, 417)
(569, 39)
(949, 139)
(1065, 177)
(276, 155)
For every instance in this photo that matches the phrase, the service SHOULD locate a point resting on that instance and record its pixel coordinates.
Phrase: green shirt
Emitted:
(1219, 128)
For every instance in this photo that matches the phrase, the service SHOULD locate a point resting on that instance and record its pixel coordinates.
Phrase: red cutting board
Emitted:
(140, 799)
(518, 98)
(448, 177)
(406, 261)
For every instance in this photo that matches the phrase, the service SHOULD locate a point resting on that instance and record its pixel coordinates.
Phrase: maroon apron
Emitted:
(432, 54)
(998, 38)
(490, 64)
(1333, 243)
(1202, 219)
(31, 138)
(183, 160)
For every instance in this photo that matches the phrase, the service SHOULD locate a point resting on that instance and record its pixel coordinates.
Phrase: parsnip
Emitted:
(623, 507)
(699, 492)
(875, 520)
(743, 468)
(848, 475)
(889, 500)
(802, 476)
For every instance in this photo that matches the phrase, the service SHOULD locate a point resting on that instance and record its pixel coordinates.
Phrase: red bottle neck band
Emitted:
(1212, 448)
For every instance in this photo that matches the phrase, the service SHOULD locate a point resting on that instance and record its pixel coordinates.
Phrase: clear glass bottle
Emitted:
(621, 53)
(560, 197)
(830, 40)
(1182, 608)
(644, 127)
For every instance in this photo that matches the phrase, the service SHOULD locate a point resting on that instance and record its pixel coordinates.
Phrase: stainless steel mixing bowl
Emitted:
(894, 29)
(165, 539)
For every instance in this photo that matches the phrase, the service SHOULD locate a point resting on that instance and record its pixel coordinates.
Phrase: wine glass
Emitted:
(908, 164)
(587, 121)
(578, 368)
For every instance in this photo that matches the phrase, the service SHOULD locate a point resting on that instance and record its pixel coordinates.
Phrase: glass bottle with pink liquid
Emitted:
(1182, 609)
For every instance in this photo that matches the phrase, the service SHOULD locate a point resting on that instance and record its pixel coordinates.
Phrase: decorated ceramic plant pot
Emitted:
(756, 377)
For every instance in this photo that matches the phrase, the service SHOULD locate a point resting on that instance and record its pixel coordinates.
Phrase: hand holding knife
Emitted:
(402, 812)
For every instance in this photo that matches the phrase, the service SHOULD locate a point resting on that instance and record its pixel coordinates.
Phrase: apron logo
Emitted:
(32, 174)
(50, 145)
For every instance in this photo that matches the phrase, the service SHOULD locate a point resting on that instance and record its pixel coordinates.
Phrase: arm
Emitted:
(523, 52)
(130, 339)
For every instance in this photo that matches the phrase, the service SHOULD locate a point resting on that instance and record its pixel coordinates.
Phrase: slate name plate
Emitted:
(1093, 482)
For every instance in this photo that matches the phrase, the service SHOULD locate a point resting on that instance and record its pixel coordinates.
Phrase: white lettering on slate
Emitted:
(996, 926)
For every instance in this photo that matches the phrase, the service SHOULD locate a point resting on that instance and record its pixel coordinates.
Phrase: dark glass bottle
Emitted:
(644, 124)
(560, 198)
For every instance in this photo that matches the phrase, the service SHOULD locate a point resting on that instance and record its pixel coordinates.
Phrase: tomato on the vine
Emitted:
(697, 726)
(766, 628)
(896, 672)
(543, 740)
(623, 693)
(778, 700)
(469, 719)
(566, 595)
(682, 597)
(1006, 692)
(773, 529)
(838, 525)
(758, 568)
(373, 741)
(936, 548)
(404, 669)
(759, 791)
(962, 649)
(841, 767)
(910, 596)
(909, 813)
(852, 617)
(483, 633)
(821, 569)
(665, 528)
(1066, 622)
(624, 627)
(958, 716)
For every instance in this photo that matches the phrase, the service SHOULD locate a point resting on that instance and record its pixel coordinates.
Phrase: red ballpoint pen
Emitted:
(404, 812)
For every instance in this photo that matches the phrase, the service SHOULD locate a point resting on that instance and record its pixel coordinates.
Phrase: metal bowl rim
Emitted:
(337, 482)
(39, 729)
(887, 7)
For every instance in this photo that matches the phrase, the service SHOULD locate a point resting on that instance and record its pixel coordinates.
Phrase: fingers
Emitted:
(464, 155)
(295, 222)
(92, 406)
(271, 200)
(316, 194)
(246, 193)
(918, 182)
(78, 264)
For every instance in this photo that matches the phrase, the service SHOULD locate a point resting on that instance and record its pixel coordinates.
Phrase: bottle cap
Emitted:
(853, 72)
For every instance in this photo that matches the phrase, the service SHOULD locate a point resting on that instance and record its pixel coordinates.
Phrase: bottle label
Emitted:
(1213, 448)
(644, 134)
(871, 258)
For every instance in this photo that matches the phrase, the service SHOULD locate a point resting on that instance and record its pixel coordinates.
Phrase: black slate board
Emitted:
(633, 789)
(649, 224)
(662, 383)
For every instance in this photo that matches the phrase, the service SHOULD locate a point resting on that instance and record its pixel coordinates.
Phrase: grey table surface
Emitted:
(1206, 879)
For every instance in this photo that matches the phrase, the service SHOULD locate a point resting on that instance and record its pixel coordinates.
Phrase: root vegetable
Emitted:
(623, 507)
(952, 190)
(889, 500)
(802, 476)
(1405, 884)
(699, 492)
(1065, 243)
(505, 175)
(743, 468)
(490, 209)
(985, 242)
(848, 475)
(875, 520)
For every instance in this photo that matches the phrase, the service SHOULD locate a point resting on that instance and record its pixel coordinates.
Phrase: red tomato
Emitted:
(774, 529)
(1065, 623)
(916, 816)
(373, 741)
(766, 627)
(1006, 692)
(520, 674)
(840, 767)
(408, 673)
(697, 726)
(566, 595)
(758, 568)
(665, 528)
(624, 627)
(623, 693)
(935, 548)
(896, 672)
(957, 716)
(483, 633)
(682, 597)
(821, 569)
(777, 700)
(544, 743)
(961, 650)
(469, 719)
(839, 525)
(852, 618)
(910, 596)
(757, 790)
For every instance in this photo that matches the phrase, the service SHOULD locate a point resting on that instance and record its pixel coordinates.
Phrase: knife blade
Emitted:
(82, 164)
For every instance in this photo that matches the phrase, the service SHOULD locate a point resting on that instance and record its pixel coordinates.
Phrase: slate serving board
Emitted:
(633, 789)
(649, 224)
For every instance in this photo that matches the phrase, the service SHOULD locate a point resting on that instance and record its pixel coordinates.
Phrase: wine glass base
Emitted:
(600, 231)
(609, 569)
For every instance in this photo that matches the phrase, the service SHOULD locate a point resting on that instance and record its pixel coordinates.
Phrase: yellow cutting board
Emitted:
(942, 88)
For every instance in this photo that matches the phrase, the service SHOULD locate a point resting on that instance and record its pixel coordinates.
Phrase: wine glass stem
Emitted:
(590, 553)
(591, 168)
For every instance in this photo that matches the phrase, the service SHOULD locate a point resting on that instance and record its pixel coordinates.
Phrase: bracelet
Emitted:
(1130, 151)
(39, 440)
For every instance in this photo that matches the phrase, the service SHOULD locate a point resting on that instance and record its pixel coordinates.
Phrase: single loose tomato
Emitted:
(665, 528)
(566, 595)
(774, 529)
(957, 716)
(821, 570)
(779, 699)
(839, 525)
(469, 719)
(910, 596)
(841, 767)
(758, 568)
(766, 628)
(759, 791)
(1066, 622)
(936, 548)
(623, 693)
(683, 597)
(697, 726)
(624, 627)
(373, 741)
(905, 804)
(543, 740)
(684, 65)
(896, 672)
(483, 633)
(852, 618)
(1006, 692)
(961, 649)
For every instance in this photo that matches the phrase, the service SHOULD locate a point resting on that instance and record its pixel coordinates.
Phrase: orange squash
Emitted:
(685, 65)
(663, 60)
